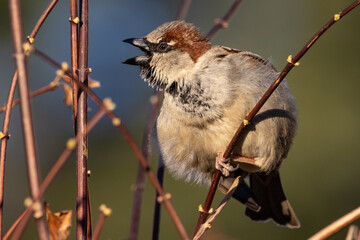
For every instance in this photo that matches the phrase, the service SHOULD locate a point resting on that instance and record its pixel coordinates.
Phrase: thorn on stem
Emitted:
(28, 48)
(2, 135)
(105, 210)
(138, 186)
(109, 104)
(201, 209)
(71, 144)
(27, 202)
(221, 23)
(337, 16)
(31, 40)
(289, 60)
(116, 121)
(36, 207)
(65, 66)
(38, 213)
(75, 20)
(160, 199)
(154, 99)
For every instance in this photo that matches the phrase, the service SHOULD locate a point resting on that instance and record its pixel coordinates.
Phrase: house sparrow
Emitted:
(208, 91)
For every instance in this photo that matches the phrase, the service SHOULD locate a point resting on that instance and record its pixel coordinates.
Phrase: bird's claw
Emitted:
(224, 165)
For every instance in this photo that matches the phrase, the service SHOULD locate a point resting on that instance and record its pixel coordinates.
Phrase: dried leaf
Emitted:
(59, 224)
(68, 96)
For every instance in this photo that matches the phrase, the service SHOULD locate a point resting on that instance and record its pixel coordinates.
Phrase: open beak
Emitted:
(139, 60)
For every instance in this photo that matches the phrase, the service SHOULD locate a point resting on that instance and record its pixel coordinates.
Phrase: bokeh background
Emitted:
(321, 175)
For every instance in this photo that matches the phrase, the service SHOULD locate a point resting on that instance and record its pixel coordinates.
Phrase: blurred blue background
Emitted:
(321, 175)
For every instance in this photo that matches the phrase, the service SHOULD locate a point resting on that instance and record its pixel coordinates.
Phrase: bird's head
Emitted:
(171, 53)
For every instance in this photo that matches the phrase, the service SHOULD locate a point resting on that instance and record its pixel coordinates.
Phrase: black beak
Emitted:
(138, 42)
(140, 60)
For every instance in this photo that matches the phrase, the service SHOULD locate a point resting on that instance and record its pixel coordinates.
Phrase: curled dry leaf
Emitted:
(59, 224)
(68, 96)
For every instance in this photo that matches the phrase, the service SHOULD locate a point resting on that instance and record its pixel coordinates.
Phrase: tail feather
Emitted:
(242, 192)
(269, 194)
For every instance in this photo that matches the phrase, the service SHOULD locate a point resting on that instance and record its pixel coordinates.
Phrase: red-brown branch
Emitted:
(337, 225)
(104, 213)
(4, 144)
(82, 148)
(33, 94)
(27, 124)
(224, 21)
(74, 51)
(41, 20)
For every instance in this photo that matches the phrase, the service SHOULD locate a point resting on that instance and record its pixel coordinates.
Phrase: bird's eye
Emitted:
(163, 47)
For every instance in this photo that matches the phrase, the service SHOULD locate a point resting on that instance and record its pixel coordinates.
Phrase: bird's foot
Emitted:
(224, 165)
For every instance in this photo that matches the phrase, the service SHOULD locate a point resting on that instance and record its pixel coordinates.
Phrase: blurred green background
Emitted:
(321, 175)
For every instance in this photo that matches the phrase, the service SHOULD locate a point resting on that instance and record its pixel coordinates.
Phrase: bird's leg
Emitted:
(224, 165)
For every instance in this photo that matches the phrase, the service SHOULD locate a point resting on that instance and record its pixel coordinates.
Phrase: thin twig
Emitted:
(36, 93)
(183, 10)
(82, 149)
(157, 208)
(222, 204)
(7, 110)
(104, 213)
(5, 132)
(88, 209)
(17, 222)
(140, 178)
(25, 216)
(41, 20)
(130, 140)
(353, 233)
(27, 124)
(74, 20)
(292, 62)
(337, 225)
(223, 23)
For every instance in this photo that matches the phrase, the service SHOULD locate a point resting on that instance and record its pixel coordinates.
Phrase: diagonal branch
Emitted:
(291, 63)
(104, 213)
(31, 37)
(138, 187)
(36, 93)
(223, 23)
(4, 144)
(74, 51)
(183, 10)
(337, 225)
(26, 118)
